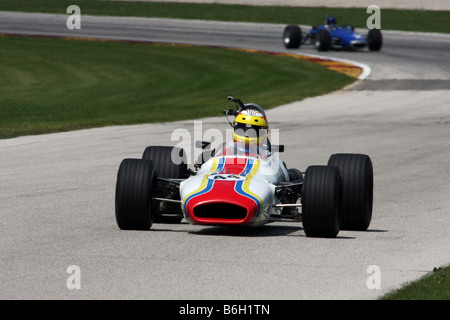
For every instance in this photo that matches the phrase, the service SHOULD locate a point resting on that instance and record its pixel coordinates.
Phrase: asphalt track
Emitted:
(384, 4)
(57, 190)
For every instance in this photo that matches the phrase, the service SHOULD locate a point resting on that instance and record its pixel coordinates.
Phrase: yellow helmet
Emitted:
(250, 126)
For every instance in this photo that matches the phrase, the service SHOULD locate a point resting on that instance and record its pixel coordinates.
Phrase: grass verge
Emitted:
(435, 286)
(391, 19)
(51, 85)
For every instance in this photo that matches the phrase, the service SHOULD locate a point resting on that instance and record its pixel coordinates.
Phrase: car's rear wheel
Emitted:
(292, 37)
(357, 189)
(295, 175)
(323, 40)
(170, 162)
(321, 210)
(134, 189)
(374, 40)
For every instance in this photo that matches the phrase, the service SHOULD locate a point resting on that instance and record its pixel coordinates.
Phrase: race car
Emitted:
(244, 182)
(332, 36)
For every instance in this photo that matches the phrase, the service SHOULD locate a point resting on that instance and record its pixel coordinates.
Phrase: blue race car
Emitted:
(332, 36)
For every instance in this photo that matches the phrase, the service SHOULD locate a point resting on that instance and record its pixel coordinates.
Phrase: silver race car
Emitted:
(244, 182)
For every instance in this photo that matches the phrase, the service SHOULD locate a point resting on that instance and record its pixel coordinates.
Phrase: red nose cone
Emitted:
(225, 197)
(222, 205)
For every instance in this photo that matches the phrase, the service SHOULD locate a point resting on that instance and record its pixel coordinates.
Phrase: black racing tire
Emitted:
(295, 175)
(323, 40)
(162, 160)
(292, 37)
(134, 189)
(357, 189)
(161, 156)
(321, 208)
(374, 40)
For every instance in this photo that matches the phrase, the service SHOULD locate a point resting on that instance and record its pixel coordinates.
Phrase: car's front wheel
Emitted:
(321, 208)
(134, 190)
(357, 189)
(292, 37)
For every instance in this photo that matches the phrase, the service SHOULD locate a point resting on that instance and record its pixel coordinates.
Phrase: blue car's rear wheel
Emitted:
(374, 40)
(323, 40)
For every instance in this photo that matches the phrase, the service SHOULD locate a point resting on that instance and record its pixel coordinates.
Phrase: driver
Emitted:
(250, 134)
(250, 128)
(330, 20)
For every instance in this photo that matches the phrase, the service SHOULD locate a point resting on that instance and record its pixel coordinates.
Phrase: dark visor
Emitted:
(248, 130)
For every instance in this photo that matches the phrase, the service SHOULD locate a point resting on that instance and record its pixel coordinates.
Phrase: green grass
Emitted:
(435, 286)
(51, 85)
(406, 20)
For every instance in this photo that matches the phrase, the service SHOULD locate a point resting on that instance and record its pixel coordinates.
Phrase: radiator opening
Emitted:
(220, 211)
